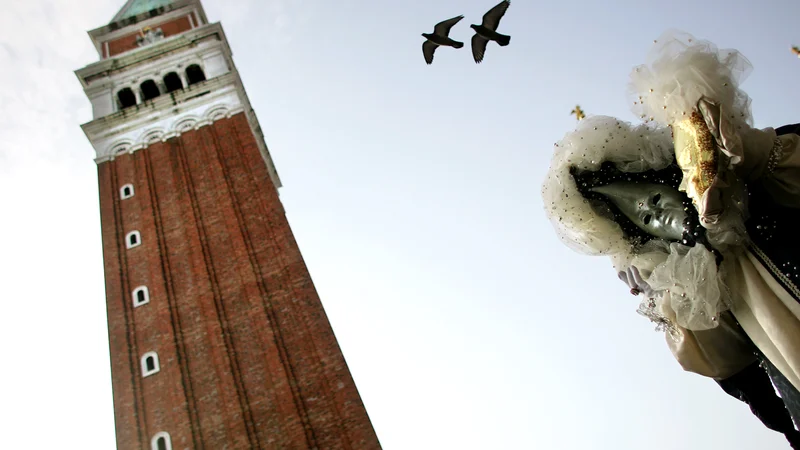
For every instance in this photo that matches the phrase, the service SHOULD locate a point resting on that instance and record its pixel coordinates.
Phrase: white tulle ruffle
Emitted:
(598, 139)
(680, 70)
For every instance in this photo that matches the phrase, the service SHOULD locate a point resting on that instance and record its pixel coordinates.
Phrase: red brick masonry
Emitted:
(248, 357)
(126, 43)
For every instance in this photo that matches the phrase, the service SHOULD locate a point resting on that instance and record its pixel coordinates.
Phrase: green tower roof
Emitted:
(135, 7)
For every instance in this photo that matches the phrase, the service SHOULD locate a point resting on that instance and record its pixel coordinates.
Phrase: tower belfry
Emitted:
(217, 336)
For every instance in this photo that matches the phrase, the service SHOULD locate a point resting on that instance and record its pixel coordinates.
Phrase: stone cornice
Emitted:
(159, 49)
(169, 115)
(170, 61)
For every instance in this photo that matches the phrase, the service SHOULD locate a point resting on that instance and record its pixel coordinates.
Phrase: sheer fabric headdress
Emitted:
(690, 85)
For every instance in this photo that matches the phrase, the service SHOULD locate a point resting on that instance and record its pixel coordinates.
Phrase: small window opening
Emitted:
(161, 441)
(141, 295)
(126, 191)
(149, 90)
(172, 81)
(126, 98)
(133, 239)
(195, 74)
(150, 364)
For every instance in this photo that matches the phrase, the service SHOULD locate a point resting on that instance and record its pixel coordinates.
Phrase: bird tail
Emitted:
(503, 40)
(457, 44)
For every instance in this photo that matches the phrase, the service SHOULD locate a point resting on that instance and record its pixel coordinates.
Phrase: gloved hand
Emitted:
(634, 280)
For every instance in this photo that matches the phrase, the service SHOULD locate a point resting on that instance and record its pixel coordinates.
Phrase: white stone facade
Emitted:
(160, 119)
(115, 130)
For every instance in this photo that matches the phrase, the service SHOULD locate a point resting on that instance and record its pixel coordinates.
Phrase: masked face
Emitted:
(655, 208)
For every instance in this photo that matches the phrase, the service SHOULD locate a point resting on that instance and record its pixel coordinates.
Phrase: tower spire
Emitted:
(133, 8)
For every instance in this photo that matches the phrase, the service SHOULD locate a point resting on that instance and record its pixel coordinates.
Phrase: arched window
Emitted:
(161, 441)
(150, 364)
(141, 295)
(149, 90)
(126, 191)
(126, 98)
(173, 82)
(133, 239)
(195, 74)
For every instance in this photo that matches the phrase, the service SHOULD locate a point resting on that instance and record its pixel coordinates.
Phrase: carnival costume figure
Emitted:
(696, 210)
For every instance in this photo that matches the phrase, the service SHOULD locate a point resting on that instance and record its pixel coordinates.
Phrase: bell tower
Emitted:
(216, 333)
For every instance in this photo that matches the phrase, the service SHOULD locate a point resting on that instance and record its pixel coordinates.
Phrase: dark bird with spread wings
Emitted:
(440, 36)
(487, 31)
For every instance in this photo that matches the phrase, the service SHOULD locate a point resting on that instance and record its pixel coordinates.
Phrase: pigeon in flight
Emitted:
(440, 37)
(487, 31)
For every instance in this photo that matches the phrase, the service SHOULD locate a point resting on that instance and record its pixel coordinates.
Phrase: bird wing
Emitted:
(443, 28)
(478, 47)
(428, 48)
(491, 19)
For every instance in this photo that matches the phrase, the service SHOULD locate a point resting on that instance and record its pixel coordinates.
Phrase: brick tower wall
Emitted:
(128, 42)
(248, 358)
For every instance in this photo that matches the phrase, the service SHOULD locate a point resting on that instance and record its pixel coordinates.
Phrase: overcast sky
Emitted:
(413, 192)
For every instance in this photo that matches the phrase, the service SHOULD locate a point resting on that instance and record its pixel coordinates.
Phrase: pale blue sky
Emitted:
(413, 192)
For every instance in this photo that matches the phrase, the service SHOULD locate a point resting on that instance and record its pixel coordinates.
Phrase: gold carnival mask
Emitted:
(696, 153)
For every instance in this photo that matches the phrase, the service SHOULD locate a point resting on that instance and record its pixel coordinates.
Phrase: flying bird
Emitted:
(796, 51)
(440, 36)
(487, 31)
(579, 114)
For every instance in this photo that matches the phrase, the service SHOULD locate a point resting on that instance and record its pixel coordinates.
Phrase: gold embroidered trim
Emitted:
(775, 155)
(787, 283)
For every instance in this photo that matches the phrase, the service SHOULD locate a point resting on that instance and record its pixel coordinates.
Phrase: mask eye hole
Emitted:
(656, 198)
(647, 219)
